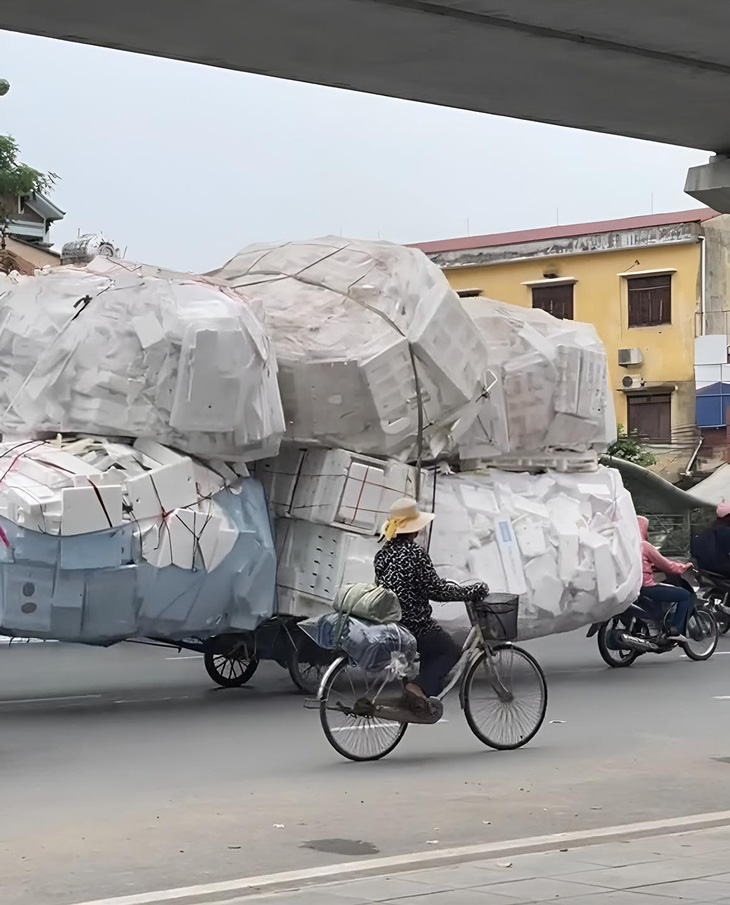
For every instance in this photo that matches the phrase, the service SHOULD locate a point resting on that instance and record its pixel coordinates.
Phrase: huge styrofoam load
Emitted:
(101, 541)
(552, 388)
(361, 330)
(337, 487)
(111, 349)
(568, 545)
(314, 560)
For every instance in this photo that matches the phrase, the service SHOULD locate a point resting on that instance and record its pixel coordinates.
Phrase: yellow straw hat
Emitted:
(406, 518)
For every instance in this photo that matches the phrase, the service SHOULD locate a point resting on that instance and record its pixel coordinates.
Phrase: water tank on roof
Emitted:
(86, 248)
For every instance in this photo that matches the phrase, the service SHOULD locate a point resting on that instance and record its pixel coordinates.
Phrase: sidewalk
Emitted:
(657, 870)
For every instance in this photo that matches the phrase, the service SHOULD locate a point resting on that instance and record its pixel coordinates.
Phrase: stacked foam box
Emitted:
(551, 392)
(329, 506)
(568, 545)
(113, 350)
(101, 541)
(364, 332)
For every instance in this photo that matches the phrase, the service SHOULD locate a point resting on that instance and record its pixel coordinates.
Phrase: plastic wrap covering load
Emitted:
(371, 647)
(568, 545)
(362, 330)
(552, 387)
(110, 349)
(83, 560)
(339, 488)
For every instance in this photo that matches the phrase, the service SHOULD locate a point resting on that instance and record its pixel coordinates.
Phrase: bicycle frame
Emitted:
(473, 645)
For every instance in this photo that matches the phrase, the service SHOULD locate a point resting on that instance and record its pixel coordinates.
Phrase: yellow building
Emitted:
(650, 285)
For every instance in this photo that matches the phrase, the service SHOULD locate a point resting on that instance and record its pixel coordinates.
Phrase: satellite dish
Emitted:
(4, 87)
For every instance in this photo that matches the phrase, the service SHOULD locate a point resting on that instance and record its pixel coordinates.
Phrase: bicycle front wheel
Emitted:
(348, 703)
(505, 697)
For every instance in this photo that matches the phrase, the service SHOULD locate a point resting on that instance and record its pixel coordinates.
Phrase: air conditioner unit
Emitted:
(627, 357)
(632, 383)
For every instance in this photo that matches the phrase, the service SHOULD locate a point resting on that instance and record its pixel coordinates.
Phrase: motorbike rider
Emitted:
(711, 549)
(405, 568)
(664, 595)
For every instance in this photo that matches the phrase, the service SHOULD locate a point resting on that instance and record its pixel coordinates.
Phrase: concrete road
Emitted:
(126, 771)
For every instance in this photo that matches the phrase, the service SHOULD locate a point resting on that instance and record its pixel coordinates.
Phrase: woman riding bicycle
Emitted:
(404, 567)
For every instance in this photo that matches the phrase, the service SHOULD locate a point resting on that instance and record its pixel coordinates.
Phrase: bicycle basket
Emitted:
(496, 615)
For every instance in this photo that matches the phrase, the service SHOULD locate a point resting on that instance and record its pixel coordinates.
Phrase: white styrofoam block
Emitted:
(568, 545)
(509, 551)
(143, 498)
(314, 560)
(88, 509)
(337, 487)
(157, 453)
(175, 485)
(183, 529)
(209, 386)
(531, 538)
(148, 329)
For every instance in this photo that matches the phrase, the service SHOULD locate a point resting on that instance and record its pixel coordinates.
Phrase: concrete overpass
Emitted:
(654, 69)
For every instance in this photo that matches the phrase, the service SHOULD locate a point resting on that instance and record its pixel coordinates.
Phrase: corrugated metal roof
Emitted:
(697, 215)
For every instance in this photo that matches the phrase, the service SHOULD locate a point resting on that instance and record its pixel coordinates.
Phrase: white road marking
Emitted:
(192, 657)
(177, 697)
(380, 866)
(68, 697)
(12, 640)
(721, 697)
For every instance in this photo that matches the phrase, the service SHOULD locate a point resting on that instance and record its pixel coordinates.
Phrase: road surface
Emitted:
(125, 770)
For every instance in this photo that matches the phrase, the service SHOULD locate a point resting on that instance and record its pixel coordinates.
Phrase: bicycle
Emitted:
(363, 718)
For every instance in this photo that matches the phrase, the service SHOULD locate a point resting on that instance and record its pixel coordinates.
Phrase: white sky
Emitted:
(184, 164)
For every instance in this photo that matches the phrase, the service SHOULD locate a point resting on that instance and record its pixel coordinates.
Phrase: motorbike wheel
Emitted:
(614, 658)
(701, 634)
(721, 617)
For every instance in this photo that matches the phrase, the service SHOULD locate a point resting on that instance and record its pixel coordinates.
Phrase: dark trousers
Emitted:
(439, 654)
(666, 595)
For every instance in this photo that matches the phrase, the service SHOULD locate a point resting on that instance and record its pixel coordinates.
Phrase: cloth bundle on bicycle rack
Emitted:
(371, 646)
(567, 545)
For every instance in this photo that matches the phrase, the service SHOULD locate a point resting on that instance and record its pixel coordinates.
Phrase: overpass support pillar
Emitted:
(710, 183)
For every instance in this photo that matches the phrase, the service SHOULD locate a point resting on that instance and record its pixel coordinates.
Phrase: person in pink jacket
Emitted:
(665, 595)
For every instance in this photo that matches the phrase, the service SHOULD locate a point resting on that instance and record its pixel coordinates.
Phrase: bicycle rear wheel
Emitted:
(348, 712)
(505, 697)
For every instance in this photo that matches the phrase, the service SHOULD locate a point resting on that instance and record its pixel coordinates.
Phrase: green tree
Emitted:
(17, 179)
(629, 448)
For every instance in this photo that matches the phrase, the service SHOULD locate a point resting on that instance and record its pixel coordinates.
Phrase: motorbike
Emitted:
(640, 629)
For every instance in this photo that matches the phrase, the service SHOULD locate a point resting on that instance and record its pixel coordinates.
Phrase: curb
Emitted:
(227, 890)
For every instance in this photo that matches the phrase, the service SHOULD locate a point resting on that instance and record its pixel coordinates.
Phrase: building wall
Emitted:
(36, 256)
(27, 215)
(717, 280)
(600, 297)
